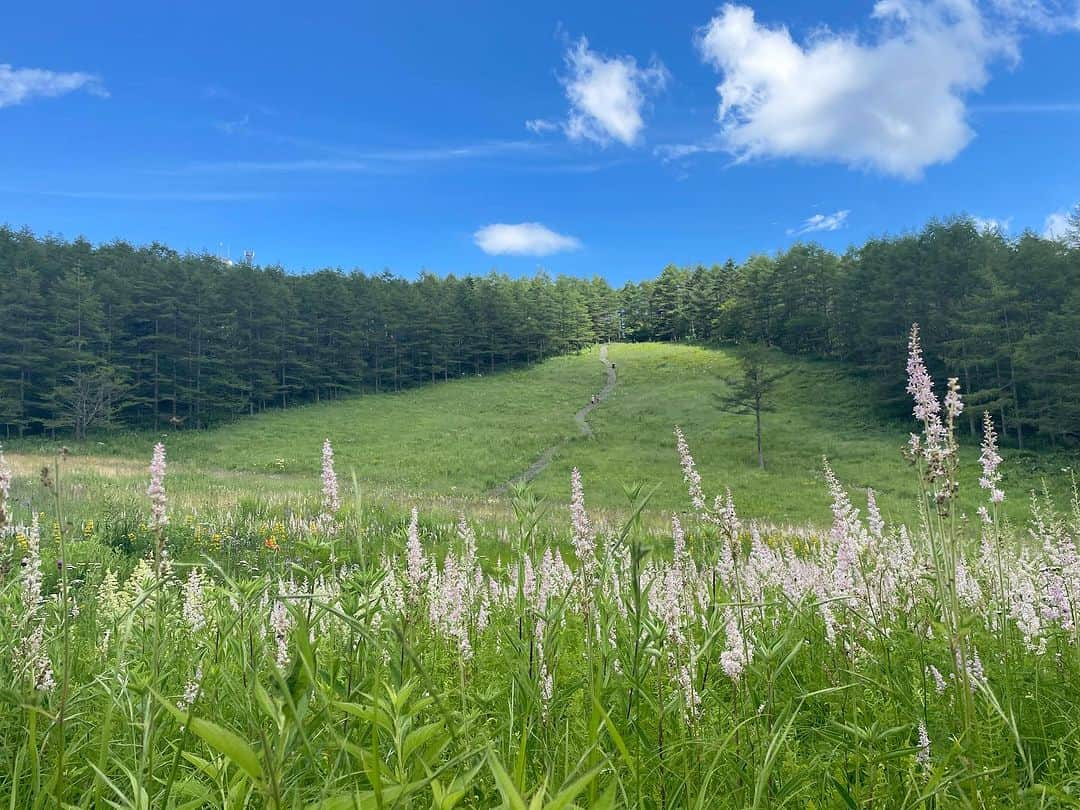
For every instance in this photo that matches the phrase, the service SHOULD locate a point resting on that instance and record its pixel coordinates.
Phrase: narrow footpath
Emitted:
(581, 417)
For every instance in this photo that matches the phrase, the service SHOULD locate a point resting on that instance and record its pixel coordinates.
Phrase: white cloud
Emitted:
(821, 222)
(540, 125)
(233, 127)
(607, 95)
(523, 239)
(18, 85)
(677, 151)
(1025, 108)
(895, 104)
(1056, 226)
(1052, 16)
(991, 224)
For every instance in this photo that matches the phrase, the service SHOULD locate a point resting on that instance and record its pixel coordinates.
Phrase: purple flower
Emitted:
(690, 473)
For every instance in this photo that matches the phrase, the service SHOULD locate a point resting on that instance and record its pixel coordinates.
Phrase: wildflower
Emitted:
(5, 490)
(922, 756)
(728, 518)
(921, 385)
(194, 601)
(191, 691)
(582, 535)
(847, 534)
(156, 490)
(690, 473)
(967, 587)
(111, 601)
(738, 651)
(954, 405)
(989, 460)
(1024, 609)
(31, 573)
(975, 671)
(547, 687)
(416, 566)
(280, 625)
(938, 448)
(679, 555)
(331, 501)
(939, 680)
(38, 658)
(666, 602)
(451, 601)
(691, 699)
(873, 516)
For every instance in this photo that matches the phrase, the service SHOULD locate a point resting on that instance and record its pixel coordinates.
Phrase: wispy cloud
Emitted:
(19, 85)
(523, 239)
(541, 125)
(233, 127)
(676, 151)
(219, 93)
(269, 166)
(821, 222)
(1049, 16)
(346, 159)
(1032, 108)
(164, 196)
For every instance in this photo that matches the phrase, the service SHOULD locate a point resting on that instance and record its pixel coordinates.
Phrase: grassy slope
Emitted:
(454, 442)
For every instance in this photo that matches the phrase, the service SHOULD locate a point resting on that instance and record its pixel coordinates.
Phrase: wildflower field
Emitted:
(335, 653)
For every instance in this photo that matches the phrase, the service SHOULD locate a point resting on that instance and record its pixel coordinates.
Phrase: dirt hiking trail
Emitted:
(581, 417)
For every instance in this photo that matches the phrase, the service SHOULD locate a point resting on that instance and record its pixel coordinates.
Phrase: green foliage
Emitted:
(146, 337)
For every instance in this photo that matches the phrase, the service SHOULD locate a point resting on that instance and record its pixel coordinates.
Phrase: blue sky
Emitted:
(608, 138)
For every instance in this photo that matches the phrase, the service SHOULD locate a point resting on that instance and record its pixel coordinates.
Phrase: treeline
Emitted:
(1002, 315)
(144, 336)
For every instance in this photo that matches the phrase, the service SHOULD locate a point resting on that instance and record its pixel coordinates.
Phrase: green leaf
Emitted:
(367, 799)
(571, 791)
(226, 742)
(505, 784)
(420, 737)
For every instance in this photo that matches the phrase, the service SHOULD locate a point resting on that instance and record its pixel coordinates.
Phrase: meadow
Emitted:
(236, 619)
(455, 445)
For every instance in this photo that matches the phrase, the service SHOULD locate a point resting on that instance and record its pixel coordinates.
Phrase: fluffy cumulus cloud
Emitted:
(523, 239)
(18, 85)
(895, 103)
(821, 222)
(608, 95)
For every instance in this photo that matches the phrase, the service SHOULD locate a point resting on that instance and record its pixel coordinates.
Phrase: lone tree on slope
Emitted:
(749, 391)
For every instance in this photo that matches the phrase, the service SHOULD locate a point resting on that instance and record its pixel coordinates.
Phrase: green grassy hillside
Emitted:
(456, 443)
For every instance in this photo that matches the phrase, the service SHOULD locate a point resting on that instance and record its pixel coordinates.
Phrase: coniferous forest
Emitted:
(93, 337)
